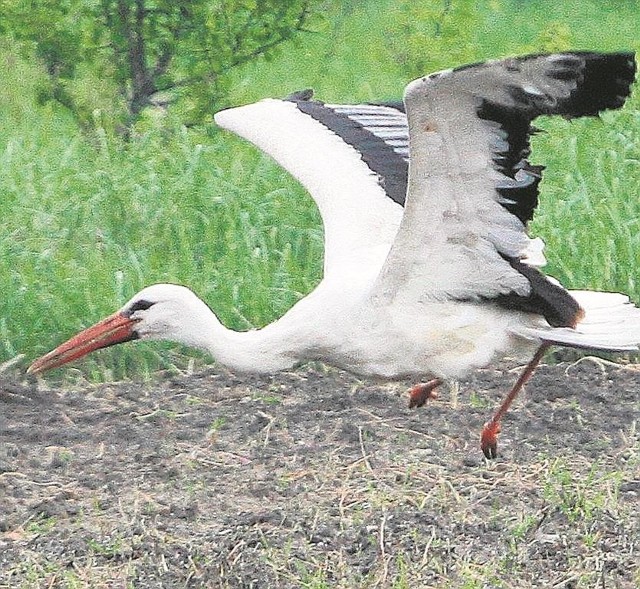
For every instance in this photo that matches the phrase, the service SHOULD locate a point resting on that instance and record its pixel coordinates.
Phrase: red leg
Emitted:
(488, 439)
(422, 392)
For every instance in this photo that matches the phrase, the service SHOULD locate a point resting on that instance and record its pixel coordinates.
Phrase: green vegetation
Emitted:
(87, 221)
(141, 48)
(580, 501)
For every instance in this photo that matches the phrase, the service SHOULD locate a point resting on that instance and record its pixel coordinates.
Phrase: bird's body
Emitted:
(443, 339)
(441, 287)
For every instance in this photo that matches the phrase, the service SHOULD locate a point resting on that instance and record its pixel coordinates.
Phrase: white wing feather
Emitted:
(355, 210)
(611, 323)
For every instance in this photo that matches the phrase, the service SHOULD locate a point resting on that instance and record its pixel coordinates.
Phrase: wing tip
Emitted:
(303, 95)
(605, 83)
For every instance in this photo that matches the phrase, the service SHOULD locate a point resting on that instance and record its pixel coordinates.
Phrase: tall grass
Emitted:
(87, 221)
(590, 213)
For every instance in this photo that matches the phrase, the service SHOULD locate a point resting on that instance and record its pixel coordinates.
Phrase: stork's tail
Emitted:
(611, 323)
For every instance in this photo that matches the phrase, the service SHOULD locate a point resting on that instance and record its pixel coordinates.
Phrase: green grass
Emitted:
(88, 221)
(590, 215)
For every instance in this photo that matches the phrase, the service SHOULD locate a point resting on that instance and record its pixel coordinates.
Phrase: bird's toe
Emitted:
(422, 392)
(489, 440)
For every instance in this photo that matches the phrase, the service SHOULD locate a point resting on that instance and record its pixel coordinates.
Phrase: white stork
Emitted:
(438, 289)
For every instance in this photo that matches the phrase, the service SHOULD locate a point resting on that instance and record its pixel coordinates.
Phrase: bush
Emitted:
(148, 49)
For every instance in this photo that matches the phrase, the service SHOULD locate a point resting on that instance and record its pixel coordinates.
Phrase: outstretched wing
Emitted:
(351, 158)
(471, 189)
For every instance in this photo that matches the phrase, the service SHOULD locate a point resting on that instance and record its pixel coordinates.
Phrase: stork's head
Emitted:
(162, 311)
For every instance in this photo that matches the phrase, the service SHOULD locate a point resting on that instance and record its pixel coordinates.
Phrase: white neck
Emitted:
(308, 331)
(258, 351)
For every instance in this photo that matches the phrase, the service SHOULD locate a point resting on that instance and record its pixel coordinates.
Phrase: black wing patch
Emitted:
(602, 81)
(379, 133)
(548, 299)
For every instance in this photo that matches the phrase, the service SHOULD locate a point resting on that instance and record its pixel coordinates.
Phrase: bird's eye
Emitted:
(140, 305)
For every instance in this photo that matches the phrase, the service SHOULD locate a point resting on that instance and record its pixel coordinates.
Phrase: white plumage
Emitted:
(437, 289)
(357, 214)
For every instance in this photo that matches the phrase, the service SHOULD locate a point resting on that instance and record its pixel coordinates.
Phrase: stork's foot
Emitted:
(422, 392)
(489, 439)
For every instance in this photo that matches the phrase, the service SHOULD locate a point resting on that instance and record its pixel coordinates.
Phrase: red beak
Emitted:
(115, 329)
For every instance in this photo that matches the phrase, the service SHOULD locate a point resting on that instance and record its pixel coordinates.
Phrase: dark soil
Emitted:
(317, 479)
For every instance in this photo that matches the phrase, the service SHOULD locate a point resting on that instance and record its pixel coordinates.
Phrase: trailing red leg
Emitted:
(491, 429)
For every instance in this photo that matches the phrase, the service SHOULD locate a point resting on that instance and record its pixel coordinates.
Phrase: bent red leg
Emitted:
(422, 392)
(491, 429)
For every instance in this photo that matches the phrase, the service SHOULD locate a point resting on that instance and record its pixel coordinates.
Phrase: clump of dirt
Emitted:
(314, 478)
